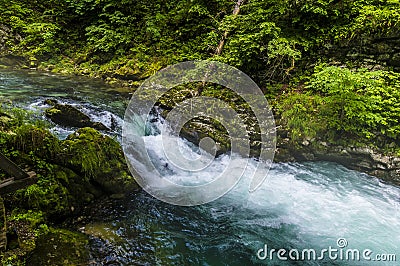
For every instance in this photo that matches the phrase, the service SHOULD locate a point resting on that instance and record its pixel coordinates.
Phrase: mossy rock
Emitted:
(59, 192)
(60, 247)
(80, 190)
(5, 120)
(23, 229)
(32, 139)
(100, 159)
(71, 173)
(67, 115)
(51, 102)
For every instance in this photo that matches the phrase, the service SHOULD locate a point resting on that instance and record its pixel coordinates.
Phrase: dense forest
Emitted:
(330, 69)
(330, 64)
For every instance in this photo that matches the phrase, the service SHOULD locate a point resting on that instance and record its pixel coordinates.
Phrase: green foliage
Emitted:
(133, 39)
(43, 34)
(300, 113)
(367, 102)
(32, 217)
(49, 195)
(11, 117)
(11, 260)
(37, 22)
(250, 33)
(269, 40)
(360, 103)
(15, 13)
(99, 155)
(375, 18)
(111, 33)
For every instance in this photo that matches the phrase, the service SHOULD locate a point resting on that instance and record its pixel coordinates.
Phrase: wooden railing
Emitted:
(19, 179)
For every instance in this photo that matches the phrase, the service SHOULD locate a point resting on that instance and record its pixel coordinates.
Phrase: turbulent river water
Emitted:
(300, 208)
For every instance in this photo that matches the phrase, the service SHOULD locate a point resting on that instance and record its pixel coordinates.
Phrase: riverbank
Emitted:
(342, 111)
(71, 173)
(302, 135)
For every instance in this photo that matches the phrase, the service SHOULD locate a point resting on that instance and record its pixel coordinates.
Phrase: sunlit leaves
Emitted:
(360, 103)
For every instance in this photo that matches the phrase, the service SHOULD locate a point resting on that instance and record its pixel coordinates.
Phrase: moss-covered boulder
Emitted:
(43, 245)
(31, 139)
(71, 173)
(23, 228)
(98, 158)
(67, 115)
(60, 247)
(5, 119)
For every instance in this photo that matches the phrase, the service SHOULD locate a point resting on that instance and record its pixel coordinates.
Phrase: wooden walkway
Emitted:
(19, 179)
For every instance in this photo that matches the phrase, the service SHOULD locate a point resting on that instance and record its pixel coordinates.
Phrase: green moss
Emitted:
(66, 170)
(60, 247)
(32, 217)
(32, 139)
(86, 151)
(52, 111)
(28, 225)
(49, 246)
(99, 158)
(12, 258)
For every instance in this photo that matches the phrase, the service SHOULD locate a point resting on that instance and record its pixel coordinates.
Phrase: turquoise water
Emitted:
(28, 90)
(299, 206)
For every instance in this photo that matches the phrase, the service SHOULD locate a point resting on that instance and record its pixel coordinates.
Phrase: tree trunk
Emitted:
(221, 44)
(235, 12)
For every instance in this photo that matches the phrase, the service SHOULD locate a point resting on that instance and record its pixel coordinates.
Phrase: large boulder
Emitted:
(71, 173)
(98, 158)
(67, 115)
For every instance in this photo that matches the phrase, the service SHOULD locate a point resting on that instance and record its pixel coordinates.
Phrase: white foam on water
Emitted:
(322, 201)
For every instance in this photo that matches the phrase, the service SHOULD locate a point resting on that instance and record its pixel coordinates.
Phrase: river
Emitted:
(300, 207)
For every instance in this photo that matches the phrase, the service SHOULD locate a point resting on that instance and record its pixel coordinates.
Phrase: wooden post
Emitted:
(11, 168)
(3, 228)
(19, 179)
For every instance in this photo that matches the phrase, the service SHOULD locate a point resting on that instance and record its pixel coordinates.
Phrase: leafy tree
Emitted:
(347, 103)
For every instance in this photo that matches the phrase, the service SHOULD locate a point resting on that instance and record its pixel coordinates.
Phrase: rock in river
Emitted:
(67, 115)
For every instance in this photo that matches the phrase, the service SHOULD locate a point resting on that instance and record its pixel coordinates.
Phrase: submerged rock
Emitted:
(67, 115)
(51, 102)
